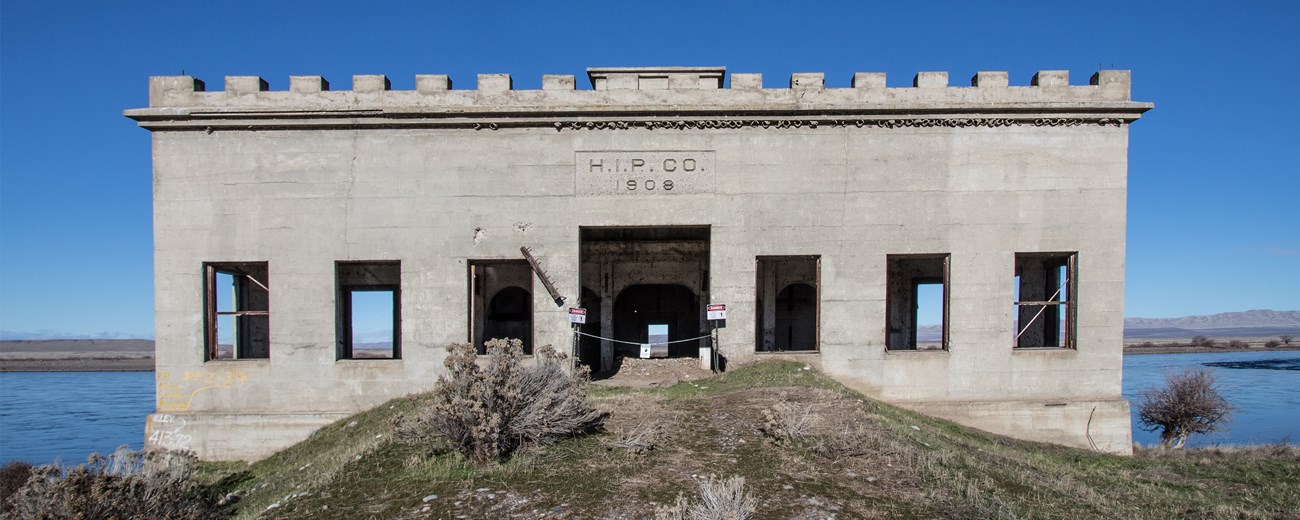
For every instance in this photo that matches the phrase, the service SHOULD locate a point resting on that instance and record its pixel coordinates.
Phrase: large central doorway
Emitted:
(643, 285)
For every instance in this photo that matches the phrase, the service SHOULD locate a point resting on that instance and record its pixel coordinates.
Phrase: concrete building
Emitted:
(957, 250)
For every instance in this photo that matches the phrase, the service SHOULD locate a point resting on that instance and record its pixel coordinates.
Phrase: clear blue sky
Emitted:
(1213, 175)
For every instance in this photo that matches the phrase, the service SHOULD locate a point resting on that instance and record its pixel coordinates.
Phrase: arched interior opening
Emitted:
(796, 317)
(786, 304)
(643, 310)
(510, 315)
(636, 277)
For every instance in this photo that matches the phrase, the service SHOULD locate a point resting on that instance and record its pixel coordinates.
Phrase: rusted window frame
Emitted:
(211, 314)
(817, 304)
(945, 280)
(471, 265)
(1071, 287)
(343, 309)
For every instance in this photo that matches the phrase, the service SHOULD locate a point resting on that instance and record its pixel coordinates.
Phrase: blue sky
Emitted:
(1213, 175)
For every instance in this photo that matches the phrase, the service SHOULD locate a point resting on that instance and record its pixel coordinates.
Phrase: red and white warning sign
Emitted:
(717, 311)
(577, 315)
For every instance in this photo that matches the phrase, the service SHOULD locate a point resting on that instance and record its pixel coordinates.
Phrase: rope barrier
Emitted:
(638, 343)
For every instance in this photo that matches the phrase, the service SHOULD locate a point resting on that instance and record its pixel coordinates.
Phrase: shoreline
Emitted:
(1138, 351)
(77, 365)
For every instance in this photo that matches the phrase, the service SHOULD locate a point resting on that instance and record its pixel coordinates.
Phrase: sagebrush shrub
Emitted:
(784, 422)
(488, 412)
(12, 477)
(720, 499)
(126, 485)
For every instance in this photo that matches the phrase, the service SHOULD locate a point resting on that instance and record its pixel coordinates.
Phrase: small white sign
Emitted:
(577, 315)
(645, 351)
(717, 311)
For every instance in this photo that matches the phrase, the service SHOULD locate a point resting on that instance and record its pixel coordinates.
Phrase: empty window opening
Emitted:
(916, 302)
(236, 302)
(501, 302)
(369, 310)
(372, 323)
(1045, 309)
(787, 306)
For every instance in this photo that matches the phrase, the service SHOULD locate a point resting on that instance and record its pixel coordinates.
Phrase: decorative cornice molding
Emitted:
(263, 121)
(706, 124)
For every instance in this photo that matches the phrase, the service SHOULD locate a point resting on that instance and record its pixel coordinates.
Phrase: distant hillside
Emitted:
(76, 355)
(76, 345)
(1248, 324)
(1225, 320)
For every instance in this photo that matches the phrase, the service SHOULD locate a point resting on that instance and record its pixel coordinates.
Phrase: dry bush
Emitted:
(1190, 403)
(784, 422)
(126, 485)
(489, 412)
(1238, 344)
(1202, 341)
(1272, 343)
(720, 499)
(639, 439)
(724, 499)
(845, 444)
(12, 477)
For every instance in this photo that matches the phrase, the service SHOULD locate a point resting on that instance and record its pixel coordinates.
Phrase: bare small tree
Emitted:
(1189, 403)
(1285, 339)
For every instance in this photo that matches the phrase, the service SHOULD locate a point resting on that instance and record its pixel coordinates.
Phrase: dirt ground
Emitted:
(651, 373)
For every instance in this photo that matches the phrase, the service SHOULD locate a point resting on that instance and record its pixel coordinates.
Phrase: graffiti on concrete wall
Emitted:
(176, 391)
(165, 430)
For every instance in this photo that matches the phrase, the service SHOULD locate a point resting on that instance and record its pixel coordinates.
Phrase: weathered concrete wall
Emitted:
(436, 177)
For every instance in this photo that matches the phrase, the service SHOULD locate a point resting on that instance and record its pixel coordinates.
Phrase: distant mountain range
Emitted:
(1247, 324)
(13, 335)
(1223, 320)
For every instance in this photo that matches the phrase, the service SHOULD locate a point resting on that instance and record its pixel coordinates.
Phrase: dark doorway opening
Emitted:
(501, 302)
(640, 306)
(786, 305)
(636, 277)
(796, 317)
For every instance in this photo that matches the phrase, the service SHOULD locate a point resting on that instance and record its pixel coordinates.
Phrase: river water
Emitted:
(1264, 387)
(64, 416)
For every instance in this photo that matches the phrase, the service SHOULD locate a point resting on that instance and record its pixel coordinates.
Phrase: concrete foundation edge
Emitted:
(1103, 425)
(248, 437)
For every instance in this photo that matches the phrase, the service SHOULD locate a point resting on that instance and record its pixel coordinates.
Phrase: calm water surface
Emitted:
(64, 416)
(1264, 387)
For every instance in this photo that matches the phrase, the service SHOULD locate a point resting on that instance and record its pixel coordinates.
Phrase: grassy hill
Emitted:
(857, 458)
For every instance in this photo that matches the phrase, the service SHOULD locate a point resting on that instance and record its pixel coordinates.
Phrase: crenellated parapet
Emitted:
(661, 97)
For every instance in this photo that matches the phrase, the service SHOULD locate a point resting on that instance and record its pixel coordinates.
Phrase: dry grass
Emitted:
(126, 485)
(854, 458)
